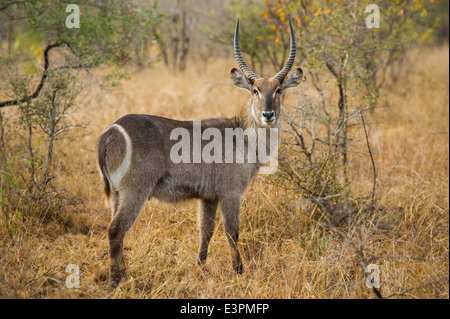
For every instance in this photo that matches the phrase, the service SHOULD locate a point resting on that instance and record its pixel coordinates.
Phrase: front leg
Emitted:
(230, 218)
(206, 221)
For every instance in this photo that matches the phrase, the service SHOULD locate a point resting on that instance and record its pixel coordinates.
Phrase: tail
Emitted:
(101, 155)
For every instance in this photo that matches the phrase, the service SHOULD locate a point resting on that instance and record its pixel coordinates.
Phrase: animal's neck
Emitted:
(246, 117)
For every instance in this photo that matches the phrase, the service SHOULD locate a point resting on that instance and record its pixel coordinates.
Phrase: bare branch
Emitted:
(8, 5)
(359, 250)
(41, 83)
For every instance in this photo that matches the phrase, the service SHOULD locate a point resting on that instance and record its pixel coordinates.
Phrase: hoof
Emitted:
(239, 269)
(116, 278)
(116, 283)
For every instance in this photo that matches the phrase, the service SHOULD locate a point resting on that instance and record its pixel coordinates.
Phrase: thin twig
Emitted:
(372, 160)
(417, 287)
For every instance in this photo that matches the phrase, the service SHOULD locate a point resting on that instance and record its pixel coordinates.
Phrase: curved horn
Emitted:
(290, 61)
(252, 76)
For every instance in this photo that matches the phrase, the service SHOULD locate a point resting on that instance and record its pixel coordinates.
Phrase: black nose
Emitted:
(268, 115)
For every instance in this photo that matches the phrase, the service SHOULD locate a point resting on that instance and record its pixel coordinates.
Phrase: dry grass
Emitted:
(286, 253)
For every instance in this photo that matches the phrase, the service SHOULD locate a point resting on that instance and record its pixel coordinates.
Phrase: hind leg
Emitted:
(114, 203)
(125, 216)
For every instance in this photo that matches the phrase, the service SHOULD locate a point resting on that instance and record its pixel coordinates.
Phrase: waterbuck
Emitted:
(135, 163)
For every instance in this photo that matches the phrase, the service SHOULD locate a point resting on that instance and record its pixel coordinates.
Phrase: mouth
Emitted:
(266, 121)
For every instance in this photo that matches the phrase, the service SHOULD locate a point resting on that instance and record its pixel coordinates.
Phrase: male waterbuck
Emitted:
(135, 159)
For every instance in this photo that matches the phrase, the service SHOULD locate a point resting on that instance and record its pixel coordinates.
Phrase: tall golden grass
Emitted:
(286, 253)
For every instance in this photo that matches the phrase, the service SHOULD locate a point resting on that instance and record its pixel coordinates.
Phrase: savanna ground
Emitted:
(287, 251)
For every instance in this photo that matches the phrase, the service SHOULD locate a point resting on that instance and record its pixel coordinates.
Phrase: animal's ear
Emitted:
(293, 79)
(240, 80)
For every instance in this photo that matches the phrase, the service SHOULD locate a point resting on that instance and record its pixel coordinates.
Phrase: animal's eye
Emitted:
(278, 91)
(255, 91)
